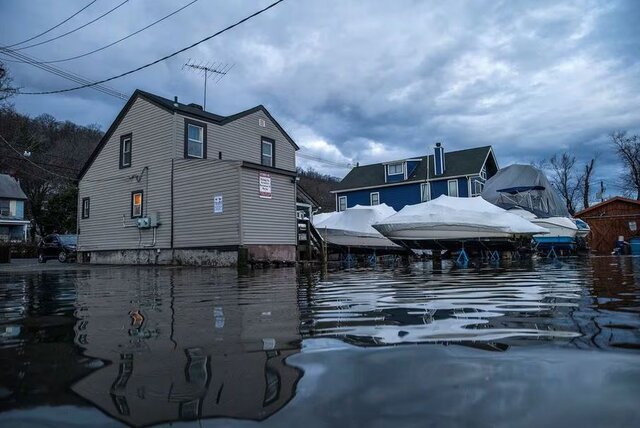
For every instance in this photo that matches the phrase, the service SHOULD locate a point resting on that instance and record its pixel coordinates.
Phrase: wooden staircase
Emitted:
(311, 245)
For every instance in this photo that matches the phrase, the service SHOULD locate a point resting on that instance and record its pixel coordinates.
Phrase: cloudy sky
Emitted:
(364, 81)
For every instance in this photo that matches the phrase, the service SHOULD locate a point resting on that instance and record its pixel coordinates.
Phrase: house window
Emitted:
(125, 151)
(136, 203)
(483, 172)
(452, 186)
(342, 203)
(477, 188)
(266, 152)
(85, 207)
(425, 192)
(374, 198)
(195, 140)
(395, 168)
(5, 207)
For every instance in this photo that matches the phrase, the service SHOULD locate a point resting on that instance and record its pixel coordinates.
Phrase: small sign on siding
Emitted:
(265, 185)
(633, 226)
(217, 203)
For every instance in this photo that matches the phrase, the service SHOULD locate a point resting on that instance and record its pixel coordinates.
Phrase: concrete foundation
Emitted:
(216, 257)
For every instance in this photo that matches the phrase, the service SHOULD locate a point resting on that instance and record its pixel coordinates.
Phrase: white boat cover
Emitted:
(449, 212)
(319, 218)
(357, 220)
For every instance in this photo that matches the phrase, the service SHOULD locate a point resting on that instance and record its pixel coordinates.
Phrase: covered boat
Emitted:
(526, 191)
(352, 227)
(320, 217)
(452, 223)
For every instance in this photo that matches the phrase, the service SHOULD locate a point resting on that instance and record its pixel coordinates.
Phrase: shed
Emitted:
(609, 220)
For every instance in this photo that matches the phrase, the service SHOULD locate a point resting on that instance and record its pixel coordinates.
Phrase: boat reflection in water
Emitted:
(188, 351)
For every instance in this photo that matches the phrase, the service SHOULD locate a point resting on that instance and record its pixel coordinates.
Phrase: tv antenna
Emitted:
(207, 70)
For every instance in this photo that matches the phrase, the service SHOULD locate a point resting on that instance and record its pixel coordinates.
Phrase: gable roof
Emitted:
(457, 163)
(174, 107)
(10, 188)
(608, 201)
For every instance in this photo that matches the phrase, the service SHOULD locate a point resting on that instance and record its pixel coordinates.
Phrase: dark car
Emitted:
(61, 247)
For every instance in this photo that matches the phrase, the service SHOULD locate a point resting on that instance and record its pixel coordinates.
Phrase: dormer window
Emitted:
(395, 168)
(483, 172)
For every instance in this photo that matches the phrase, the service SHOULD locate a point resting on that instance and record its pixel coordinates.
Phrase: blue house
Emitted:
(403, 182)
(13, 226)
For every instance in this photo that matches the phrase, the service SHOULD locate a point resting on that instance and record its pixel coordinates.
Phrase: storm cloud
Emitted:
(366, 81)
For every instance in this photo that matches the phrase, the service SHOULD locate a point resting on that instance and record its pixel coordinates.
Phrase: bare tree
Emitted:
(565, 179)
(6, 88)
(628, 149)
(586, 182)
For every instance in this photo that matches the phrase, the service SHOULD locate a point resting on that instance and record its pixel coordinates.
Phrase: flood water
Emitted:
(528, 344)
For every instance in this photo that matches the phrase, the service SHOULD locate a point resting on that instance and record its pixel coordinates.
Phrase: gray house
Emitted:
(171, 183)
(13, 226)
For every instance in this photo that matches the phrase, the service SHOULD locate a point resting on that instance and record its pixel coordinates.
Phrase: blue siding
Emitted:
(394, 178)
(438, 188)
(411, 167)
(394, 196)
(20, 209)
(463, 188)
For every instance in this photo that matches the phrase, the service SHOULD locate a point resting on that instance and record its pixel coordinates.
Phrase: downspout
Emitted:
(171, 241)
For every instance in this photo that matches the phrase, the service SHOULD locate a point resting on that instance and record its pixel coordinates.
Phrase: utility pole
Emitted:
(208, 70)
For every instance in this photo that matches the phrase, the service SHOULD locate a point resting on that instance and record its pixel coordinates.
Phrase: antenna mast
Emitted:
(208, 70)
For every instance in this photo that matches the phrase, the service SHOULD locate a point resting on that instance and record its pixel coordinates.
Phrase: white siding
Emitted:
(109, 188)
(196, 181)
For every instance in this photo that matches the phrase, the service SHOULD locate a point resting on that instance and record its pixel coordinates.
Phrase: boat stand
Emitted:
(552, 253)
(463, 258)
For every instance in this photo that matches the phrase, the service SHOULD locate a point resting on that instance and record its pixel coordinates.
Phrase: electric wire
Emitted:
(164, 58)
(33, 163)
(121, 39)
(50, 29)
(75, 29)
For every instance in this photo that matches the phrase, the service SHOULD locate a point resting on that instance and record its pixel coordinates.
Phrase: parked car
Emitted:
(61, 247)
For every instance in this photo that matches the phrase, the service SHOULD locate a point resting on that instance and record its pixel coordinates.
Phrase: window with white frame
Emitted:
(266, 152)
(136, 204)
(483, 172)
(125, 151)
(195, 141)
(342, 203)
(477, 187)
(452, 187)
(86, 204)
(374, 198)
(395, 168)
(425, 192)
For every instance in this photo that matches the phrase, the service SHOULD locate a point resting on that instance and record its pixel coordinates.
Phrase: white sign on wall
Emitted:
(265, 185)
(217, 203)
(633, 226)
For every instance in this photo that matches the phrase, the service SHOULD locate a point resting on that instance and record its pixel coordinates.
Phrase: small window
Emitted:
(453, 187)
(425, 192)
(125, 151)
(342, 203)
(483, 172)
(85, 207)
(136, 204)
(478, 186)
(267, 152)
(374, 198)
(395, 168)
(5, 207)
(195, 139)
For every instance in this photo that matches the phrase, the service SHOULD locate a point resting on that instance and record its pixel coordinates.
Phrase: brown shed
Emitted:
(610, 219)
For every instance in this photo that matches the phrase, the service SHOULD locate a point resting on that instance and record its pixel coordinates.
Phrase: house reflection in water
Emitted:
(187, 345)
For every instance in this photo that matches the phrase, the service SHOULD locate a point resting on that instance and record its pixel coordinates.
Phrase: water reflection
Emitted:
(188, 346)
(152, 345)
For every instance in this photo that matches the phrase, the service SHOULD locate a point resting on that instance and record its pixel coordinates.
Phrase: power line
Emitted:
(75, 29)
(50, 29)
(121, 39)
(62, 73)
(324, 161)
(253, 15)
(33, 163)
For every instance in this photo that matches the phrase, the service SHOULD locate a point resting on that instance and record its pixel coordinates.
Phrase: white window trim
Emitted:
(483, 172)
(474, 185)
(428, 187)
(371, 198)
(201, 141)
(262, 154)
(402, 168)
(340, 198)
(124, 150)
(449, 188)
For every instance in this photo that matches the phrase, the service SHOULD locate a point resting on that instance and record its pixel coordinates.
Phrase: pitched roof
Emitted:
(10, 188)
(185, 109)
(460, 162)
(608, 201)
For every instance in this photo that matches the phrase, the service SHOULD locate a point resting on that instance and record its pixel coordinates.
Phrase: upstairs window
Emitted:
(452, 187)
(483, 172)
(374, 198)
(195, 140)
(85, 207)
(477, 188)
(342, 203)
(266, 152)
(425, 192)
(395, 168)
(136, 203)
(5, 208)
(125, 151)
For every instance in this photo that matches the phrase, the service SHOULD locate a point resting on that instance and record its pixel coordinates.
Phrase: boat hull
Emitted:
(344, 238)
